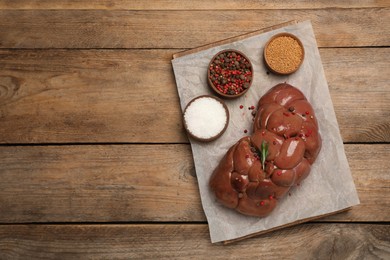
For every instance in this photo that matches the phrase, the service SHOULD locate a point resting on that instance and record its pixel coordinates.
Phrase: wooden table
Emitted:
(94, 162)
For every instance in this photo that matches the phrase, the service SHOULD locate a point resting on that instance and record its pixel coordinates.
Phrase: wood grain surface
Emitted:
(65, 96)
(191, 241)
(188, 5)
(121, 183)
(94, 162)
(360, 27)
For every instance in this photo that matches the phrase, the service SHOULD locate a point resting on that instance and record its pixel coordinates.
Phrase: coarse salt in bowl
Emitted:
(206, 118)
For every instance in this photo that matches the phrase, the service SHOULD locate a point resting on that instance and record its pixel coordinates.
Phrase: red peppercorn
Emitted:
(245, 131)
(262, 203)
(231, 68)
(241, 106)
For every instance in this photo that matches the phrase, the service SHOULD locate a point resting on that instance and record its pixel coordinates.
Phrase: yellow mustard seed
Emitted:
(284, 54)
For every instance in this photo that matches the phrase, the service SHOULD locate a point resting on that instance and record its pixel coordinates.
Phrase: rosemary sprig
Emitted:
(263, 153)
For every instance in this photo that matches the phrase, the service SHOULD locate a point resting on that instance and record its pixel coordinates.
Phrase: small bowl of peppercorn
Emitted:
(230, 73)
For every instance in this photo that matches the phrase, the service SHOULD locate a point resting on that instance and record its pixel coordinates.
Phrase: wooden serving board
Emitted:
(235, 39)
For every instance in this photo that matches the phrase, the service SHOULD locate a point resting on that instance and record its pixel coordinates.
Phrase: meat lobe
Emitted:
(285, 123)
(243, 156)
(291, 153)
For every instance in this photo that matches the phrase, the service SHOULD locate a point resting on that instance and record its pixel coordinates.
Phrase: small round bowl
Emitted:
(209, 123)
(230, 73)
(284, 53)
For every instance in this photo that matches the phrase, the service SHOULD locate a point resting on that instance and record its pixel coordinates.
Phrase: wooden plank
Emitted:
(334, 241)
(187, 5)
(349, 79)
(100, 183)
(334, 27)
(64, 96)
(89, 96)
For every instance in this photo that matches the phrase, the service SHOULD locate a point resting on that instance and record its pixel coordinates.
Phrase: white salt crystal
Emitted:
(205, 117)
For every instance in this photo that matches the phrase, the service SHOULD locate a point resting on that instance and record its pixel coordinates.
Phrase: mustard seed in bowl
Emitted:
(284, 53)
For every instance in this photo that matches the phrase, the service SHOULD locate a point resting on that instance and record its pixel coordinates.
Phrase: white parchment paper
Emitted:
(327, 189)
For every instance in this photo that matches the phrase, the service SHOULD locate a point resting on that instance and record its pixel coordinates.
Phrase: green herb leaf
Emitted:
(263, 153)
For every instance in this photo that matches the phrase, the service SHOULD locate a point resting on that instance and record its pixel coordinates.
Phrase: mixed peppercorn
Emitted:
(230, 73)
